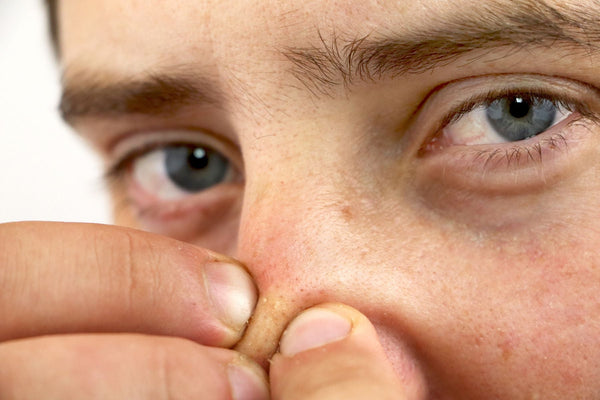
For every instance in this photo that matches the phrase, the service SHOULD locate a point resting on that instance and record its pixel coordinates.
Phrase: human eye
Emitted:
(177, 181)
(495, 127)
(505, 118)
(177, 170)
(491, 150)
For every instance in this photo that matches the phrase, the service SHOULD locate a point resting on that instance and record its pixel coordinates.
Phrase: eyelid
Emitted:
(450, 101)
(504, 169)
(485, 99)
(138, 144)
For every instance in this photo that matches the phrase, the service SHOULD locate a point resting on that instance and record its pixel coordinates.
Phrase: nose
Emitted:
(309, 234)
(283, 239)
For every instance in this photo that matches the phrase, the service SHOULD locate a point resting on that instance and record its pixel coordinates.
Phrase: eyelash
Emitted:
(530, 147)
(487, 98)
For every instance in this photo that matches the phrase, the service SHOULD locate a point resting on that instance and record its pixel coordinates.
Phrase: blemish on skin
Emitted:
(535, 255)
(347, 213)
(478, 340)
(507, 348)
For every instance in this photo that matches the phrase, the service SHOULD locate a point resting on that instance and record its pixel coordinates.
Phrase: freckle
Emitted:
(347, 213)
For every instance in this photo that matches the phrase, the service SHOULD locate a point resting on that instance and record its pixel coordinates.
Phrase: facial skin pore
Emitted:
(477, 264)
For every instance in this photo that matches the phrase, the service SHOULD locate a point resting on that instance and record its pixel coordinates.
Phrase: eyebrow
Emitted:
(514, 25)
(86, 95)
(336, 61)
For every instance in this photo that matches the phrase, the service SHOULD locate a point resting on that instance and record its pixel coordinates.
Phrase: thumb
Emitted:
(332, 352)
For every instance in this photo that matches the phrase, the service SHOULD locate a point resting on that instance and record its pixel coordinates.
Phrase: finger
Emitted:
(62, 278)
(125, 366)
(332, 352)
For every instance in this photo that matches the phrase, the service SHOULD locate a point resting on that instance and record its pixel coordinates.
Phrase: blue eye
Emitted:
(518, 118)
(505, 119)
(195, 168)
(175, 171)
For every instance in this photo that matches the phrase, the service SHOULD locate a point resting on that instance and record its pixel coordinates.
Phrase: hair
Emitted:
(53, 22)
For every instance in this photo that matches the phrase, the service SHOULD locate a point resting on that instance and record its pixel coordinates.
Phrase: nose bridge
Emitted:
(301, 209)
(286, 219)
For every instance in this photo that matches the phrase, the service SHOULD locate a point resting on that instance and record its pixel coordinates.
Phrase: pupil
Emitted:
(519, 108)
(197, 159)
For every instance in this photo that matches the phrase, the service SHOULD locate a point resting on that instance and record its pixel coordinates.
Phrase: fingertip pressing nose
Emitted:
(333, 351)
(233, 295)
(314, 328)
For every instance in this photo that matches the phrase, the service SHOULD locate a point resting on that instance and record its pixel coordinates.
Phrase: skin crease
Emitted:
(338, 207)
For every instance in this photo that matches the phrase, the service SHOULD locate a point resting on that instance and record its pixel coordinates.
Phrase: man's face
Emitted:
(430, 163)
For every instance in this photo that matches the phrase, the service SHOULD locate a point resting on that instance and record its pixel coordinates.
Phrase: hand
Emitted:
(332, 352)
(68, 291)
(60, 281)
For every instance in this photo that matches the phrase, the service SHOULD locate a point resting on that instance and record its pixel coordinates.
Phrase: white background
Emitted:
(46, 172)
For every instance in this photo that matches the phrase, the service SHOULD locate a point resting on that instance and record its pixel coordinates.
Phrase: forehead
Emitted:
(124, 34)
(154, 32)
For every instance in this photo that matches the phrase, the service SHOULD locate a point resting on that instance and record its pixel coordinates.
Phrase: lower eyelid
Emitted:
(515, 167)
(201, 203)
(193, 217)
(507, 193)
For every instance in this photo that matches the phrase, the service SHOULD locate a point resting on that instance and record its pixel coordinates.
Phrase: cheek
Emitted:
(471, 315)
(522, 321)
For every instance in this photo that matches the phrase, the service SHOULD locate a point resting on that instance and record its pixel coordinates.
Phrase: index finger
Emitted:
(63, 278)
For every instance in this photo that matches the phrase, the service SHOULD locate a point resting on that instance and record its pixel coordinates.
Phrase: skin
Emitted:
(461, 278)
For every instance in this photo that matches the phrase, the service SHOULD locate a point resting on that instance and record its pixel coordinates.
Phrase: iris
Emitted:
(518, 118)
(195, 168)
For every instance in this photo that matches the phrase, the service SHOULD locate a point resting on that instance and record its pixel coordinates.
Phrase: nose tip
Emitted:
(289, 241)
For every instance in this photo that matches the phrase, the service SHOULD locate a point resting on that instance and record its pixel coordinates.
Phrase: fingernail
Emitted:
(246, 384)
(314, 328)
(232, 293)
